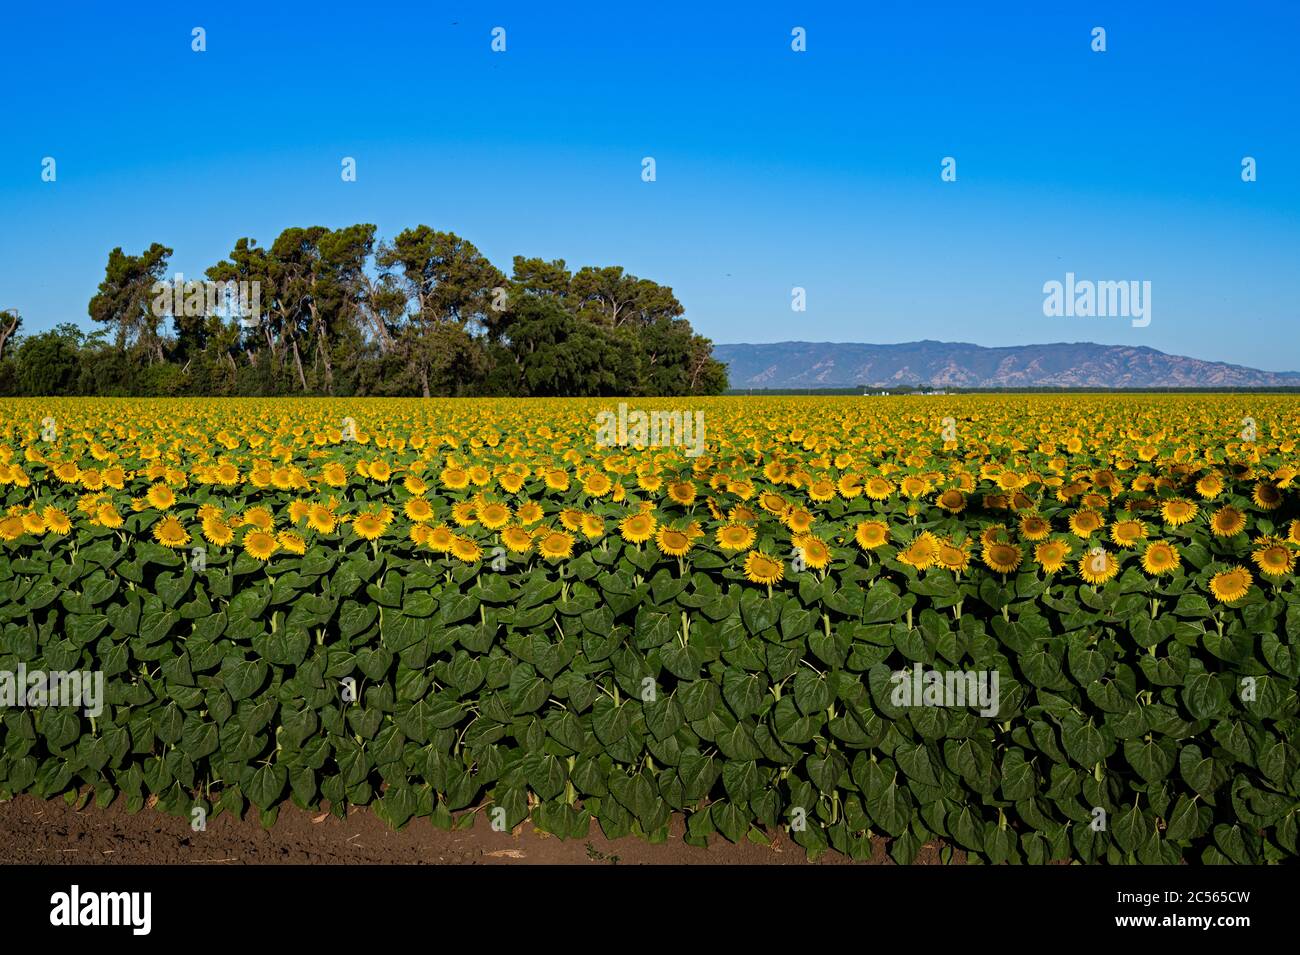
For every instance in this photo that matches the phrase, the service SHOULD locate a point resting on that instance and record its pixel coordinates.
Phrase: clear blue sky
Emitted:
(775, 169)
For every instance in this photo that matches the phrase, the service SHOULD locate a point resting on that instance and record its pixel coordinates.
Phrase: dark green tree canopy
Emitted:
(324, 311)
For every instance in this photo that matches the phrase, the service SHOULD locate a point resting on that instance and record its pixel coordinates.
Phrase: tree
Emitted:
(447, 281)
(10, 322)
(125, 298)
(608, 296)
(48, 363)
(539, 277)
(557, 353)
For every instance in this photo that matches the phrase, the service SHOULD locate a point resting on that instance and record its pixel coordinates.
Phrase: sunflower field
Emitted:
(457, 609)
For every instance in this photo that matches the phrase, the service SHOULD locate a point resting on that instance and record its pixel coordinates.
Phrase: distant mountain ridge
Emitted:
(963, 365)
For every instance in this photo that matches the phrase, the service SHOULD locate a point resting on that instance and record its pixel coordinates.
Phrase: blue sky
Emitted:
(775, 169)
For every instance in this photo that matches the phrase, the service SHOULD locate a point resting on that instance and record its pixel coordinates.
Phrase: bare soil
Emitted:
(52, 832)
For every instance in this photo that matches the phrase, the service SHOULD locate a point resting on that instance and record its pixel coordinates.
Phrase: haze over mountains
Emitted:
(783, 365)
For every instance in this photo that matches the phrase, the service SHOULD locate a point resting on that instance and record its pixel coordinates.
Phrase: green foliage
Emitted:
(618, 691)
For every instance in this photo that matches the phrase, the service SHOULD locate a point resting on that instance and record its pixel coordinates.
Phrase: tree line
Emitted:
(342, 312)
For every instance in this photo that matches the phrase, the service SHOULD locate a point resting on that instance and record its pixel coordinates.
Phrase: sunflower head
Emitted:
(1230, 585)
(761, 568)
(637, 528)
(1178, 511)
(1227, 521)
(814, 551)
(673, 542)
(1051, 555)
(1002, 557)
(1098, 566)
(735, 537)
(555, 545)
(259, 544)
(368, 526)
(171, 533)
(871, 534)
(1160, 557)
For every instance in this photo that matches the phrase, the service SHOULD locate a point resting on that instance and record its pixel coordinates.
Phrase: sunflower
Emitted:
(321, 519)
(414, 484)
(530, 512)
(555, 545)
(107, 515)
(597, 484)
(1227, 521)
(674, 543)
(466, 549)
(734, 537)
(260, 518)
(1098, 566)
(773, 503)
(56, 521)
(160, 496)
(952, 500)
(291, 542)
(418, 509)
(913, 486)
(1210, 486)
(1002, 557)
(216, 531)
(1273, 558)
(1052, 554)
(260, 545)
(511, 482)
(368, 526)
(994, 534)
(516, 539)
(335, 474)
(798, 520)
(1230, 585)
(637, 528)
(1293, 532)
(871, 534)
(593, 526)
(1160, 558)
(1267, 497)
(1084, 523)
(922, 553)
(463, 513)
(493, 516)
(953, 556)
(171, 533)
(878, 488)
(763, 569)
(1178, 511)
(441, 538)
(1126, 534)
(849, 486)
(821, 490)
(1034, 527)
(556, 479)
(814, 551)
(454, 478)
